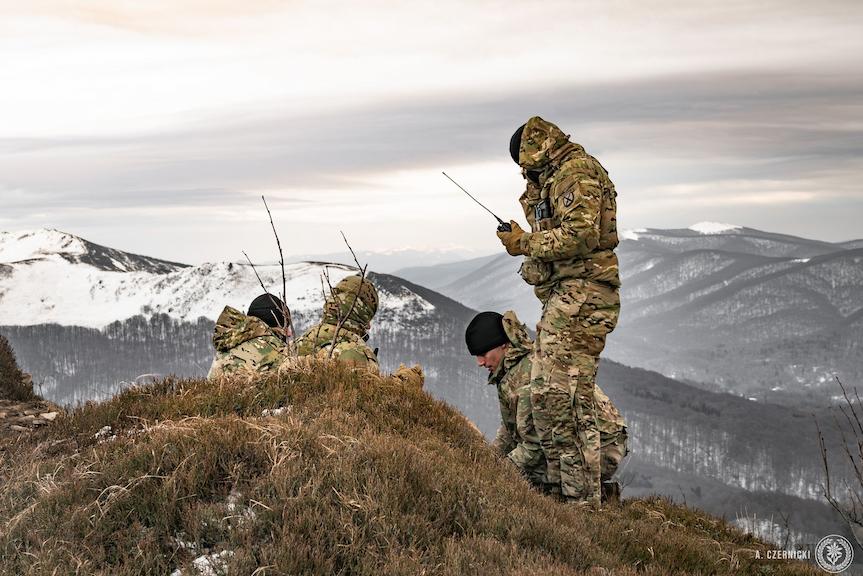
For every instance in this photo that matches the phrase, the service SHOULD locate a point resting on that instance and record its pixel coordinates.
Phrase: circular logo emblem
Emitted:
(568, 198)
(834, 554)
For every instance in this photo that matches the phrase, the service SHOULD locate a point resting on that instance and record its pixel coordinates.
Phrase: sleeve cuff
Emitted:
(524, 243)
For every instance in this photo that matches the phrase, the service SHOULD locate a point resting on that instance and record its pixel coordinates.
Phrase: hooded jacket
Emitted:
(245, 343)
(357, 303)
(516, 436)
(571, 208)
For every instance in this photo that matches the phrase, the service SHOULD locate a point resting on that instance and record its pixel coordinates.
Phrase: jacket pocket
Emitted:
(535, 272)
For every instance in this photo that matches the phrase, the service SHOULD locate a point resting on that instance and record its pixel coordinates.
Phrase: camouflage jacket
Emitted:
(512, 379)
(349, 347)
(572, 212)
(245, 343)
(356, 302)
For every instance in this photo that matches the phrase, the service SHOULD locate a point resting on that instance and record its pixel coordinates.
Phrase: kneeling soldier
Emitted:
(501, 345)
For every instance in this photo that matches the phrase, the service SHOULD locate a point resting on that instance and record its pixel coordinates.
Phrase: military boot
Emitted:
(611, 492)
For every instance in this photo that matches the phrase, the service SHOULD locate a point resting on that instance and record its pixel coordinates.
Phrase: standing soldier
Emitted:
(569, 259)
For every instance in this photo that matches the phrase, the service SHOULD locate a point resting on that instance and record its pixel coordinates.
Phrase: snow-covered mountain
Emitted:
(85, 319)
(48, 276)
(756, 313)
(49, 245)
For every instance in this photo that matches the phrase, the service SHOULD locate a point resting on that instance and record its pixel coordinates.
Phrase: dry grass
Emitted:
(361, 475)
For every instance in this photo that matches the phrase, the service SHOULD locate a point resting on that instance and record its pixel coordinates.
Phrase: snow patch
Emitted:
(713, 227)
(209, 564)
(632, 234)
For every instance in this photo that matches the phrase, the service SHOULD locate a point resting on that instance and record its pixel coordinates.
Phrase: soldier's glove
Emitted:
(412, 376)
(512, 239)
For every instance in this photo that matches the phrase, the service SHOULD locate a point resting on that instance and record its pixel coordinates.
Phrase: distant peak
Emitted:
(27, 244)
(713, 227)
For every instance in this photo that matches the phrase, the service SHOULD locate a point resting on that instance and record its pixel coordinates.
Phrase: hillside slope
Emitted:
(354, 475)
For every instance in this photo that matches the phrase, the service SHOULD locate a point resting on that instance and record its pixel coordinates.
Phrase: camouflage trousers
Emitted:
(576, 318)
(528, 455)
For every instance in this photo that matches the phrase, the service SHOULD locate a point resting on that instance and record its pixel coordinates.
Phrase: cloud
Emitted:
(755, 124)
(680, 149)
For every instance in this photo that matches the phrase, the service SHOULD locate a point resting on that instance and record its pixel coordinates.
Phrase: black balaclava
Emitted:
(485, 332)
(270, 309)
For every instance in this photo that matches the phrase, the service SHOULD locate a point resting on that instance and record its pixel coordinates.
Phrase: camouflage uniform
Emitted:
(350, 345)
(245, 343)
(516, 437)
(570, 261)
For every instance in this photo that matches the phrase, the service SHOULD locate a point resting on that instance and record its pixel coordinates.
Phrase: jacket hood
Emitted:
(520, 345)
(542, 143)
(340, 304)
(234, 328)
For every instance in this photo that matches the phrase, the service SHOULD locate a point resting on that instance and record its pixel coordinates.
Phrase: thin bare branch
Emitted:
(258, 276)
(289, 321)
(851, 404)
(356, 295)
(354, 254)
(286, 321)
(324, 274)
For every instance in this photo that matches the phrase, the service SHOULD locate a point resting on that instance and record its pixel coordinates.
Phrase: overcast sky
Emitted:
(154, 127)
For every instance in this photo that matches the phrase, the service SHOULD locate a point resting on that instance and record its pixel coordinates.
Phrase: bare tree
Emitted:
(851, 432)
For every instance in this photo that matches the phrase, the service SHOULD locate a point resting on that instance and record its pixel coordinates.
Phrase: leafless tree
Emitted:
(851, 432)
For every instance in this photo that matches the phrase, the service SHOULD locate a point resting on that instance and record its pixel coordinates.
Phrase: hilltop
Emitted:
(317, 470)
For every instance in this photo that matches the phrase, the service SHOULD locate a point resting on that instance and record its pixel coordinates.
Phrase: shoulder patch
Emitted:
(568, 198)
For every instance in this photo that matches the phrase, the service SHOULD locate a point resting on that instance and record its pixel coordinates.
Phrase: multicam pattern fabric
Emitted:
(576, 233)
(517, 438)
(245, 343)
(570, 336)
(357, 303)
(570, 261)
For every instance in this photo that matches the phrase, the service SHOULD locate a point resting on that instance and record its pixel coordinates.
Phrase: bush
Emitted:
(14, 384)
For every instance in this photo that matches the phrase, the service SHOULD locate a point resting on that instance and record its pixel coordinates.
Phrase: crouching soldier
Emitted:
(352, 303)
(501, 345)
(253, 342)
(344, 327)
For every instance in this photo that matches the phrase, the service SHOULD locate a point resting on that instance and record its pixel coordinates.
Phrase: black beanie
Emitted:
(270, 309)
(515, 143)
(485, 332)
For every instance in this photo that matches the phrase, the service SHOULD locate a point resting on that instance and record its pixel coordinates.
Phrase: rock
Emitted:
(50, 416)
(17, 428)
